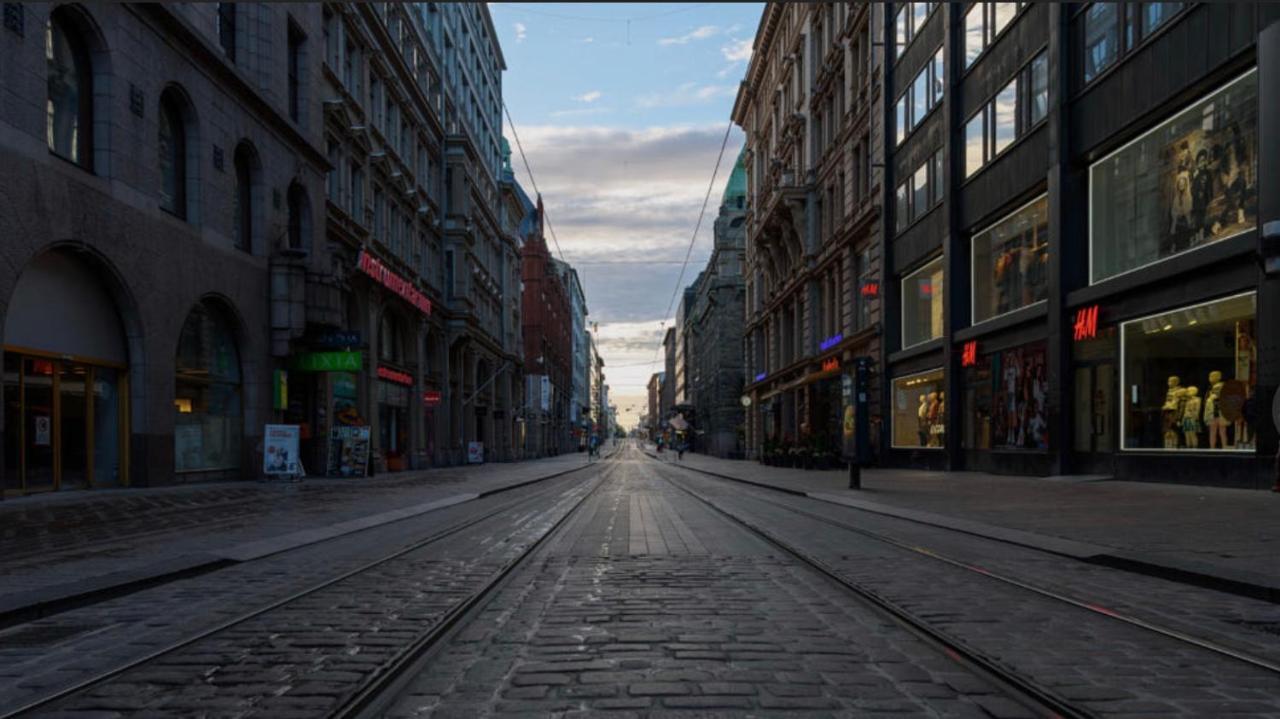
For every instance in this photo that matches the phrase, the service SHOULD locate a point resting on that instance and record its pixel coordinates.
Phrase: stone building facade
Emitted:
(714, 329)
(811, 108)
(160, 207)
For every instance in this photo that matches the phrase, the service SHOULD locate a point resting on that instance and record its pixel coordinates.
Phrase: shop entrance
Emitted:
(1094, 413)
(65, 381)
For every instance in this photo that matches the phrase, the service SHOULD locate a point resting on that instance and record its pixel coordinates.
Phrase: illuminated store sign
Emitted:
(372, 267)
(831, 364)
(831, 341)
(969, 354)
(431, 398)
(760, 377)
(871, 289)
(1086, 324)
(396, 376)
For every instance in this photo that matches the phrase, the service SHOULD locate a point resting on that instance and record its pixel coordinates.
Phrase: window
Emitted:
(1014, 111)
(172, 152)
(919, 410)
(299, 218)
(983, 23)
(1186, 376)
(296, 39)
(208, 421)
(925, 93)
(1101, 38)
(356, 198)
(379, 219)
(921, 191)
(227, 29)
(246, 161)
(907, 23)
(69, 105)
(1010, 262)
(1186, 183)
(1005, 400)
(1107, 31)
(922, 303)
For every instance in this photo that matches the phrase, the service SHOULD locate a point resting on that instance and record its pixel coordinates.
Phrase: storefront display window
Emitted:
(1186, 183)
(922, 293)
(1189, 378)
(1011, 261)
(209, 422)
(1005, 396)
(919, 411)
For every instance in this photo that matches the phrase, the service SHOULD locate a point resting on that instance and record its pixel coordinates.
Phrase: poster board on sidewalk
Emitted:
(348, 451)
(280, 450)
(475, 453)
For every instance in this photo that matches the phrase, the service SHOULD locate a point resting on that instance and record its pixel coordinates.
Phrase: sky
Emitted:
(621, 110)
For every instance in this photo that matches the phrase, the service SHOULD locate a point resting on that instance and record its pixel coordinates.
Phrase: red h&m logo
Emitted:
(831, 364)
(1086, 326)
(870, 289)
(969, 354)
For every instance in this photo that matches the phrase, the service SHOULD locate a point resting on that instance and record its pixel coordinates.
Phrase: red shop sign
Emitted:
(969, 354)
(371, 266)
(831, 364)
(431, 398)
(1086, 324)
(392, 375)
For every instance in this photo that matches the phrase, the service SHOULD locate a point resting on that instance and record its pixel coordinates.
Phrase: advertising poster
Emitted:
(475, 453)
(280, 450)
(348, 451)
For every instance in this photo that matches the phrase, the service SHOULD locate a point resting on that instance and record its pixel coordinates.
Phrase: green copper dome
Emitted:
(737, 185)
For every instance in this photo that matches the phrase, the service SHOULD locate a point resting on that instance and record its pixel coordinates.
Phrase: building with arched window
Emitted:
(158, 257)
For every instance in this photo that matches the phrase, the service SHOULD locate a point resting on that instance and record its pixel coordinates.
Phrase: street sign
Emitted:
(431, 398)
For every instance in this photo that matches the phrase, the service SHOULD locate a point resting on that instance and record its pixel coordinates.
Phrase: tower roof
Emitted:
(737, 185)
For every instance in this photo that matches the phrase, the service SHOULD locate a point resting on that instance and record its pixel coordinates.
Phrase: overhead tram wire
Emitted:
(529, 169)
(692, 240)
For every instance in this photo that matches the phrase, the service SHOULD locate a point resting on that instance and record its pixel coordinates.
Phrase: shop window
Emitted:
(1109, 31)
(69, 104)
(172, 151)
(207, 398)
(1186, 183)
(246, 168)
(1189, 378)
(919, 410)
(1005, 395)
(1011, 262)
(922, 301)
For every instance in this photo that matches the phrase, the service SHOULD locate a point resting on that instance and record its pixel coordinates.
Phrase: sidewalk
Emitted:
(56, 549)
(1224, 538)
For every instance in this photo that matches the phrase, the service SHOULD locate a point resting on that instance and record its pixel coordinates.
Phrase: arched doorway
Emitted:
(208, 404)
(65, 379)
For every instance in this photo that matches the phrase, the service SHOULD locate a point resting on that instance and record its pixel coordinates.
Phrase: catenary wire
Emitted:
(529, 169)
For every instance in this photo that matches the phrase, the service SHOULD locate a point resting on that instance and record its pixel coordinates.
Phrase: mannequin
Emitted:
(1191, 418)
(934, 413)
(922, 424)
(1171, 412)
(1241, 430)
(1213, 419)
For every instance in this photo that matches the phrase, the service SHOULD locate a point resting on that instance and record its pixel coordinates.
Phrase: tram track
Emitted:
(1038, 699)
(360, 694)
(1214, 647)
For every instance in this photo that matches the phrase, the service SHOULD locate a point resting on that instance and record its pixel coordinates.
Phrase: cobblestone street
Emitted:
(638, 587)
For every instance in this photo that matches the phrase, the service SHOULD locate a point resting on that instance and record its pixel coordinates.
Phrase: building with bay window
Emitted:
(155, 248)
(812, 107)
(1072, 270)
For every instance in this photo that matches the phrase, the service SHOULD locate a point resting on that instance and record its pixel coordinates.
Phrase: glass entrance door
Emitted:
(73, 426)
(1094, 415)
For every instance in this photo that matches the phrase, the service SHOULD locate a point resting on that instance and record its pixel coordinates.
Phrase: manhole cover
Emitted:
(41, 635)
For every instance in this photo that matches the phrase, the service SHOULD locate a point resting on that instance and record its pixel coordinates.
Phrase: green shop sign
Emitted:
(328, 362)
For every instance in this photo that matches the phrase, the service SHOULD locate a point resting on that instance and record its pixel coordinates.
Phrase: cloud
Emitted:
(737, 51)
(689, 93)
(521, 31)
(582, 112)
(587, 40)
(590, 96)
(700, 33)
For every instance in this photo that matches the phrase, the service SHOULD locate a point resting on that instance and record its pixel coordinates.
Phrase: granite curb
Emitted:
(1191, 572)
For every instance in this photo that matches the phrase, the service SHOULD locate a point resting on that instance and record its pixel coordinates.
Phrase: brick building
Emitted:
(548, 347)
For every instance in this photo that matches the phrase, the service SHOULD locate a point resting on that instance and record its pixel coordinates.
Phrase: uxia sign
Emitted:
(396, 376)
(370, 265)
(969, 354)
(1086, 324)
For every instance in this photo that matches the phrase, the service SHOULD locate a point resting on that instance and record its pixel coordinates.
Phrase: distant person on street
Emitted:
(593, 447)
(680, 450)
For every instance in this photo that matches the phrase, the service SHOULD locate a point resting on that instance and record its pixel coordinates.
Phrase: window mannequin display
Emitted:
(922, 427)
(1191, 418)
(935, 414)
(1171, 411)
(1213, 419)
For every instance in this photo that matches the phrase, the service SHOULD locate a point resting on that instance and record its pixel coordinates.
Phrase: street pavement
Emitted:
(1216, 536)
(60, 546)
